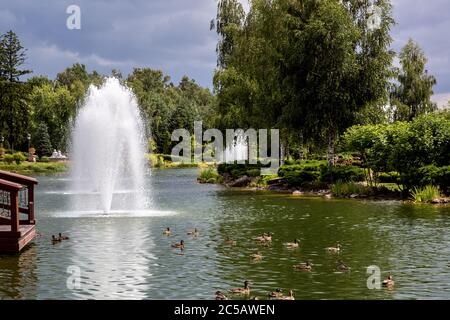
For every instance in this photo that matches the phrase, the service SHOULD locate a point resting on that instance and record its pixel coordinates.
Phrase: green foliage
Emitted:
(28, 168)
(388, 177)
(431, 175)
(315, 172)
(425, 194)
(44, 159)
(8, 158)
(403, 147)
(332, 174)
(209, 175)
(344, 189)
(239, 170)
(55, 107)
(19, 157)
(169, 107)
(306, 174)
(412, 95)
(307, 67)
(42, 141)
(12, 57)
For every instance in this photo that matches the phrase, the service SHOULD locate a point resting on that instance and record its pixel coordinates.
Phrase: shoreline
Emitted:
(325, 193)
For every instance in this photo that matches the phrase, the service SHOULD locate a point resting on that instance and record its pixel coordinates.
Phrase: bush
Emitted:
(343, 190)
(403, 147)
(389, 177)
(432, 175)
(209, 175)
(305, 174)
(19, 157)
(8, 158)
(240, 170)
(425, 194)
(254, 172)
(342, 173)
(44, 159)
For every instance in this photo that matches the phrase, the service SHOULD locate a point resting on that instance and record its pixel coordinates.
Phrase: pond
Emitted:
(124, 255)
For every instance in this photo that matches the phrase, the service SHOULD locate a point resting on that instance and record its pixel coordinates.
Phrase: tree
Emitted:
(412, 94)
(42, 141)
(14, 111)
(324, 70)
(55, 107)
(167, 107)
(12, 56)
(310, 68)
(70, 75)
(229, 19)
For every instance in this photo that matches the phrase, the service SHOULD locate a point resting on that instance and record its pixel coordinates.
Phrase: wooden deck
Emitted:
(11, 242)
(16, 199)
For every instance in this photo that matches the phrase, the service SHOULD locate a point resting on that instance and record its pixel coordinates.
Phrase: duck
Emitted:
(221, 296)
(289, 297)
(268, 236)
(257, 256)
(275, 294)
(245, 290)
(178, 245)
(334, 249)
(167, 232)
(341, 266)
(61, 237)
(55, 240)
(193, 233)
(265, 237)
(389, 282)
(307, 266)
(261, 238)
(230, 241)
(294, 244)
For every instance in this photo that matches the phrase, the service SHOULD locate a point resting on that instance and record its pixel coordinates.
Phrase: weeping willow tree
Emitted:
(307, 67)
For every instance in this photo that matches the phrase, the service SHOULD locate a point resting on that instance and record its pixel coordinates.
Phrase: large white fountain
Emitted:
(108, 164)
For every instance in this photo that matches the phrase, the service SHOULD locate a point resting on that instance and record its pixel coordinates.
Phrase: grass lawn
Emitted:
(38, 168)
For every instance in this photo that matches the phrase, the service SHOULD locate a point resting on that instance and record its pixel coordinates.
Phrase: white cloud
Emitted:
(441, 99)
(54, 59)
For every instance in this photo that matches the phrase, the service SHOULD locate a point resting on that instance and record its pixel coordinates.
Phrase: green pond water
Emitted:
(124, 255)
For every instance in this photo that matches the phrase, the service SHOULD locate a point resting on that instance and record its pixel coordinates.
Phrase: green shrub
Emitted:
(44, 159)
(240, 170)
(8, 158)
(19, 157)
(254, 172)
(342, 173)
(209, 175)
(403, 147)
(305, 174)
(425, 194)
(389, 177)
(432, 175)
(343, 189)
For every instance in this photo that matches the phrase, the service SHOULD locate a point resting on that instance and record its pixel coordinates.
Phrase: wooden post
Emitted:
(31, 204)
(15, 216)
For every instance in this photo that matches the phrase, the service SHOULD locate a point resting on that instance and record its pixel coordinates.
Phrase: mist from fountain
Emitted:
(108, 151)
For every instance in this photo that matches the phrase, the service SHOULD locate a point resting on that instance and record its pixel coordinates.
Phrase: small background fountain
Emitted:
(237, 151)
(108, 151)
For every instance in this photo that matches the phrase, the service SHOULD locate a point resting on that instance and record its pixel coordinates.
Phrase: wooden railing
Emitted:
(16, 197)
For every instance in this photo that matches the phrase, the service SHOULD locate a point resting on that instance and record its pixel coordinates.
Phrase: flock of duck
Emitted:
(266, 239)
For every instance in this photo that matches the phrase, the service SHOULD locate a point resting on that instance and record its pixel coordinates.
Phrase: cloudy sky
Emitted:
(173, 35)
